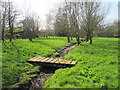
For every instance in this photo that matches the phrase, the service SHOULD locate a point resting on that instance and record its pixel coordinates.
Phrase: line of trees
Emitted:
(70, 19)
(79, 19)
(8, 16)
(110, 30)
(28, 27)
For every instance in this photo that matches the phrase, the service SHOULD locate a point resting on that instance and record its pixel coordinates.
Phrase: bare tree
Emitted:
(49, 24)
(61, 24)
(68, 20)
(74, 20)
(30, 27)
(91, 18)
(4, 12)
(12, 13)
(109, 30)
(79, 19)
(0, 22)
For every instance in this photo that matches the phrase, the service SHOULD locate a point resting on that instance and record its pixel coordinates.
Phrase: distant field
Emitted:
(97, 66)
(15, 69)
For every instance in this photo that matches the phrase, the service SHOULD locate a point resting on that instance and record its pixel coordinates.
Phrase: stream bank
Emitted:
(47, 72)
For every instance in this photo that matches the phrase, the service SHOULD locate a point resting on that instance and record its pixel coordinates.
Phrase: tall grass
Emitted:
(15, 69)
(97, 66)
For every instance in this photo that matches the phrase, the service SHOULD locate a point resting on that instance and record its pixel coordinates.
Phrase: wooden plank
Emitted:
(64, 62)
(50, 60)
(59, 60)
(54, 61)
(39, 59)
(73, 62)
(44, 60)
(68, 62)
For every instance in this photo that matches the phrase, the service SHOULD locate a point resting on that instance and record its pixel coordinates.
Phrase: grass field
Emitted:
(97, 66)
(15, 69)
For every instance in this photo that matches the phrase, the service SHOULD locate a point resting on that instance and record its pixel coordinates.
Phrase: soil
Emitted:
(65, 50)
(42, 76)
(47, 72)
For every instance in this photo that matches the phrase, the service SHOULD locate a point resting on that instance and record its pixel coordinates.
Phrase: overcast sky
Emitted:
(42, 7)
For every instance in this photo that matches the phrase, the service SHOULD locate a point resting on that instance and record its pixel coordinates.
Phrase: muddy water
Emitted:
(42, 76)
(47, 72)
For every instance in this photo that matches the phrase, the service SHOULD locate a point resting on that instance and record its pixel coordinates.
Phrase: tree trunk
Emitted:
(87, 39)
(11, 32)
(30, 35)
(68, 38)
(78, 40)
(3, 27)
(30, 39)
(90, 40)
(71, 38)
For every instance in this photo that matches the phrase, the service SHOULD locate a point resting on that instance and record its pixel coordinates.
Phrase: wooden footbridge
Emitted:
(52, 62)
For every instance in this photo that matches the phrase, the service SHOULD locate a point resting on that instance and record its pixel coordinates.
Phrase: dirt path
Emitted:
(65, 50)
(47, 72)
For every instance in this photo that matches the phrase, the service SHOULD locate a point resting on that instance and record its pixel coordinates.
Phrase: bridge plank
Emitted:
(73, 62)
(59, 60)
(35, 58)
(68, 62)
(52, 60)
(39, 59)
(44, 59)
(63, 61)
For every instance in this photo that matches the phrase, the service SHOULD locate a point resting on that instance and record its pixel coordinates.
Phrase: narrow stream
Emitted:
(43, 75)
(47, 72)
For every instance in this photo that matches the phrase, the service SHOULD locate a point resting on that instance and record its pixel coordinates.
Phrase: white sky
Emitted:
(42, 7)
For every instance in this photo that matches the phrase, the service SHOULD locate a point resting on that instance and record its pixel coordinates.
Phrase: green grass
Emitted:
(15, 69)
(97, 66)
